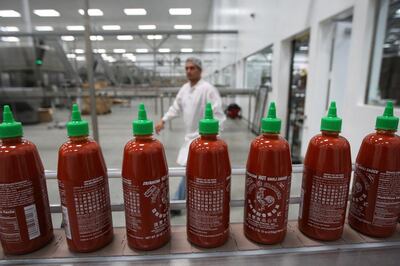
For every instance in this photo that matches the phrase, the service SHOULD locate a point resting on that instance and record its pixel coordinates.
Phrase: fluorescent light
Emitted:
(9, 14)
(99, 51)
(154, 37)
(164, 50)
(71, 55)
(147, 27)
(79, 51)
(180, 11)
(46, 12)
(93, 12)
(75, 28)
(10, 39)
(183, 27)
(111, 59)
(124, 37)
(135, 11)
(303, 48)
(387, 45)
(96, 38)
(128, 55)
(119, 51)
(142, 50)
(80, 58)
(44, 28)
(184, 37)
(186, 50)
(9, 28)
(111, 27)
(68, 38)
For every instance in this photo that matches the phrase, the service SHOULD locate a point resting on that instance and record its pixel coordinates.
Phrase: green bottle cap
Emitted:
(10, 128)
(77, 127)
(142, 126)
(331, 122)
(208, 125)
(387, 121)
(271, 124)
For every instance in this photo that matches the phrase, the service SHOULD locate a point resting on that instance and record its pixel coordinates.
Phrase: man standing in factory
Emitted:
(190, 102)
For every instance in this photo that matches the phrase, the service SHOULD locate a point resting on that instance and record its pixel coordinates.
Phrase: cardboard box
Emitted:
(45, 115)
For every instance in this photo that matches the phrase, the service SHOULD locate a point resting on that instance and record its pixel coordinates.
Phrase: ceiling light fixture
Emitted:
(75, 28)
(9, 28)
(79, 51)
(154, 37)
(93, 12)
(68, 38)
(111, 27)
(135, 11)
(147, 27)
(10, 39)
(125, 37)
(44, 28)
(46, 12)
(71, 55)
(142, 50)
(184, 37)
(96, 38)
(180, 11)
(9, 14)
(119, 51)
(183, 27)
(186, 50)
(164, 50)
(99, 51)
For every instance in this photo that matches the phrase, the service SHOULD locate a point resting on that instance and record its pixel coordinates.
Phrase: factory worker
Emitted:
(190, 103)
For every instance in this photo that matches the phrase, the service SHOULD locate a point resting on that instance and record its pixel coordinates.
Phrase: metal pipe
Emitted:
(89, 68)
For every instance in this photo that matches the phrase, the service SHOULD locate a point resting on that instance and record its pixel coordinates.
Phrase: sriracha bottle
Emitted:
(375, 197)
(83, 186)
(208, 174)
(268, 176)
(25, 221)
(146, 188)
(326, 177)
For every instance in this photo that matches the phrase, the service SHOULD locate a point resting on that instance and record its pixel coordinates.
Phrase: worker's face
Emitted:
(193, 72)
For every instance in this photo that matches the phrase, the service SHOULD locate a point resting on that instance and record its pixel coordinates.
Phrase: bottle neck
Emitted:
(209, 137)
(270, 135)
(386, 132)
(9, 141)
(144, 137)
(330, 133)
(79, 138)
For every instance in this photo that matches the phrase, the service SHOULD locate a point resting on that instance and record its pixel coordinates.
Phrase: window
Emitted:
(259, 68)
(384, 83)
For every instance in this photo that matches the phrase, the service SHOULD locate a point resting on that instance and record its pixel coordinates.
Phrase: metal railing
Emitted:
(174, 172)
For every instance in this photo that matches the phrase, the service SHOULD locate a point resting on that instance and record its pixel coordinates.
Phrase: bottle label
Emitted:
(375, 196)
(325, 201)
(208, 200)
(146, 207)
(267, 203)
(17, 201)
(91, 210)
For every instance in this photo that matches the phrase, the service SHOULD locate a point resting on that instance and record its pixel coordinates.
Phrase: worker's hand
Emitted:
(160, 126)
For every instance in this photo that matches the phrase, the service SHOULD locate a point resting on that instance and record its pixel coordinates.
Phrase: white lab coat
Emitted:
(191, 102)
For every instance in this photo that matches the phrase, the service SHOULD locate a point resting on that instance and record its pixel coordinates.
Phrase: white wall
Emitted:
(278, 22)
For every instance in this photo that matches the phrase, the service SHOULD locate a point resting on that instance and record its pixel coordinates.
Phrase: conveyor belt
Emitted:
(179, 248)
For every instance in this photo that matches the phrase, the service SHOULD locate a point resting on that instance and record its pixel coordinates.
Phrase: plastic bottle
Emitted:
(25, 221)
(326, 177)
(146, 188)
(268, 177)
(208, 174)
(84, 192)
(375, 197)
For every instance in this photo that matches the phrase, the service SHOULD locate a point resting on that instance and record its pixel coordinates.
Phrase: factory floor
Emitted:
(115, 130)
